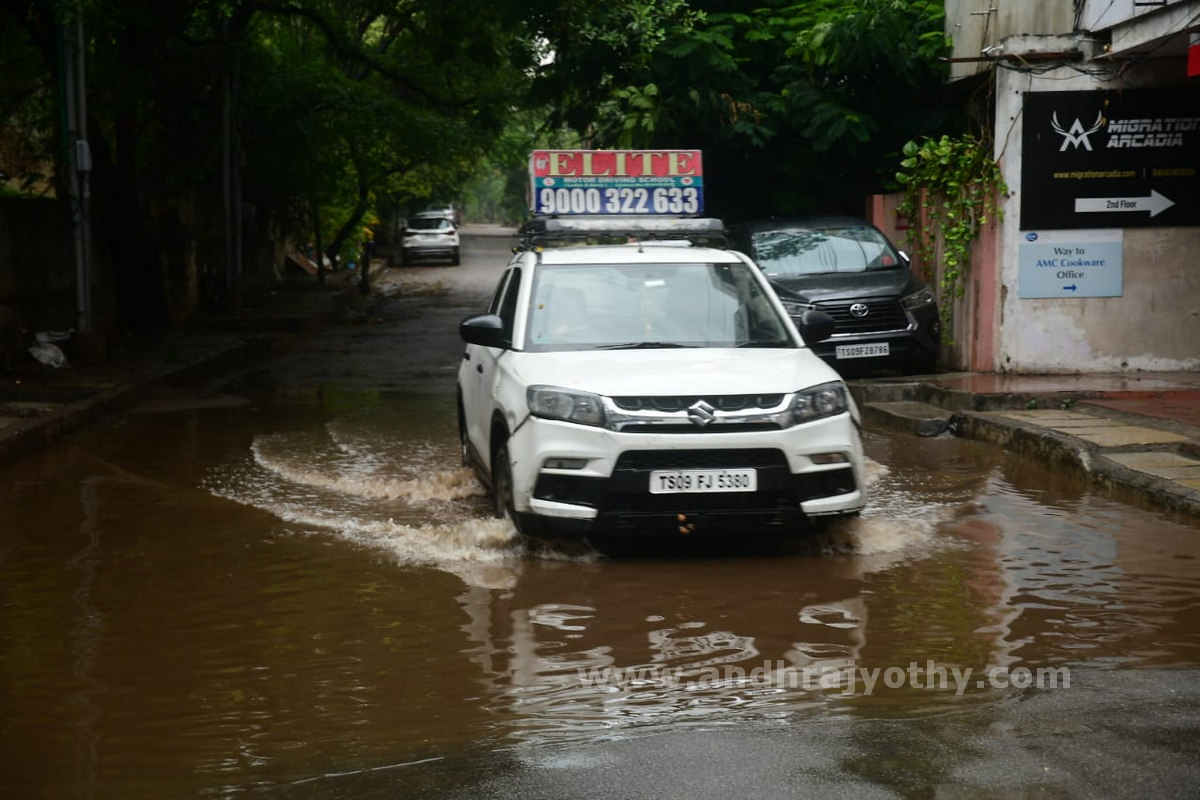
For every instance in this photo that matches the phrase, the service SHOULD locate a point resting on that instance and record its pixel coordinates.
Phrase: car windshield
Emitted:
(429, 223)
(624, 306)
(813, 251)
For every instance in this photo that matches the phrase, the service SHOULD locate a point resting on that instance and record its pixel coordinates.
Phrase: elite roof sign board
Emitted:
(616, 182)
(1111, 159)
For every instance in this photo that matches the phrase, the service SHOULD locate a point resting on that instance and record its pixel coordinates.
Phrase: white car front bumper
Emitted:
(570, 478)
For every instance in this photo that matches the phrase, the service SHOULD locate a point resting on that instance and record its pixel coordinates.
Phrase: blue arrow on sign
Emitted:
(1071, 288)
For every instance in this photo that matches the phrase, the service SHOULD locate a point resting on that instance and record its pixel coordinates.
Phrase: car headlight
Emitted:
(919, 298)
(552, 402)
(795, 308)
(826, 400)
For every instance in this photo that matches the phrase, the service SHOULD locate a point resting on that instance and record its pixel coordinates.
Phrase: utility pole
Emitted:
(78, 160)
(231, 183)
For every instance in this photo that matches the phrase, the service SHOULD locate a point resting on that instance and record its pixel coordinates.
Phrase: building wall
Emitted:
(970, 343)
(976, 25)
(1154, 325)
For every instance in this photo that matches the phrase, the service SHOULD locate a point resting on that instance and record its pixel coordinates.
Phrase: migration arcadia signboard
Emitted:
(616, 182)
(1111, 159)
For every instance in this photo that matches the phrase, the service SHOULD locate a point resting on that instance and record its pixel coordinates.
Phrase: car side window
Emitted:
(498, 295)
(508, 302)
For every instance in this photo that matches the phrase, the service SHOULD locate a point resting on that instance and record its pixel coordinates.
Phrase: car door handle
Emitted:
(466, 356)
(479, 368)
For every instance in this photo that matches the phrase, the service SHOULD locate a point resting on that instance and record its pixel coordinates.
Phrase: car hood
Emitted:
(675, 371)
(847, 285)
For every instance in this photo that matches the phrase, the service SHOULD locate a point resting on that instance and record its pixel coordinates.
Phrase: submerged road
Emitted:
(281, 583)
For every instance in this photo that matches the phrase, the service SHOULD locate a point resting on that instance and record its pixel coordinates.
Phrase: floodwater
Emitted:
(283, 581)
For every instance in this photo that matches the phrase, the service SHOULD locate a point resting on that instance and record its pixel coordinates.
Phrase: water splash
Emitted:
(894, 520)
(395, 495)
(391, 496)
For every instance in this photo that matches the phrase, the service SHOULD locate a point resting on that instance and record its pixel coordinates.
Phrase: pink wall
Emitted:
(976, 314)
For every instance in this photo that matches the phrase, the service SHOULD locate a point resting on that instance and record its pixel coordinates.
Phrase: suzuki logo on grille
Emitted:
(701, 413)
(859, 310)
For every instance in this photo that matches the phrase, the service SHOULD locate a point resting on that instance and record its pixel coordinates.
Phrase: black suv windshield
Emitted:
(813, 251)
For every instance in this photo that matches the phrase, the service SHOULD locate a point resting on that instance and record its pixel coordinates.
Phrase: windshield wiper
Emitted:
(643, 345)
(766, 343)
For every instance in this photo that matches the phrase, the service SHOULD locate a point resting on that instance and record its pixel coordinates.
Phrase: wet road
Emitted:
(281, 584)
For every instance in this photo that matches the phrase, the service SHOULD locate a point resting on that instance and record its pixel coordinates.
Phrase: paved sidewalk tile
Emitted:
(1124, 436)
(1101, 432)
(1165, 465)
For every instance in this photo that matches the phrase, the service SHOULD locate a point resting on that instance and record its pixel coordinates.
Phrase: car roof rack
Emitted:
(620, 229)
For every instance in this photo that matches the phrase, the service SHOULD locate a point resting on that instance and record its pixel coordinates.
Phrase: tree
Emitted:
(324, 105)
(306, 119)
(796, 105)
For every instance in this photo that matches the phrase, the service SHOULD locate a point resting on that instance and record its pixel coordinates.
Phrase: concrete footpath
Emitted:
(40, 404)
(1138, 432)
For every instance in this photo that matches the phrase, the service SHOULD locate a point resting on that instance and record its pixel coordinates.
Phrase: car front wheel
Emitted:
(463, 441)
(502, 487)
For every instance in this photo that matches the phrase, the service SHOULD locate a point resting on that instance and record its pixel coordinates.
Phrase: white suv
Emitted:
(654, 386)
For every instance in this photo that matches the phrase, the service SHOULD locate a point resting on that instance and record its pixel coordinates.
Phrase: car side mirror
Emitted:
(816, 326)
(483, 329)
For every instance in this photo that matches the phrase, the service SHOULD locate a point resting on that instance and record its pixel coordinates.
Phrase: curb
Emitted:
(921, 406)
(27, 435)
(1057, 449)
(303, 310)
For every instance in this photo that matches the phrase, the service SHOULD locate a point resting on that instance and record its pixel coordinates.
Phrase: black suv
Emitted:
(886, 317)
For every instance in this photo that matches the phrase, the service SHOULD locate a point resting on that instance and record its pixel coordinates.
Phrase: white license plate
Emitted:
(862, 350)
(684, 481)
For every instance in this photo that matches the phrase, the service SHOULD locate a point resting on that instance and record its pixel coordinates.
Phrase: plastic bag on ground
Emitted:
(46, 351)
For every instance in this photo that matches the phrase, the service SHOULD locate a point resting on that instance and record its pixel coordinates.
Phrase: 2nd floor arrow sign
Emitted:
(1155, 204)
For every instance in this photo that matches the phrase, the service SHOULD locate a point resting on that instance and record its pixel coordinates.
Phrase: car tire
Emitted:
(454, 258)
(463, 442)
(405, 258)
(502, 491)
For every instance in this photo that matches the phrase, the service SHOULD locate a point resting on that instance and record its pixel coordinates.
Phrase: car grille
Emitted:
(670, 413)
(687, 427)
(643, 460)
(727, 402)
(882, 315)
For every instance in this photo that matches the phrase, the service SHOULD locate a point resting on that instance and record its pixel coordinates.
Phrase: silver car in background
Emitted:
(429, 236)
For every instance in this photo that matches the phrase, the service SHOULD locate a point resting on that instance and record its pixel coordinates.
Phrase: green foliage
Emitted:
(344, 110)
(336, 108)
(952, 185)
(497, 192)
(389, 107)
(795, 104)
(27, 117)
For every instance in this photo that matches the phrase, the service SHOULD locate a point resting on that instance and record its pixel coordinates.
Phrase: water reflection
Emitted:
(338, 599)
(965, 559)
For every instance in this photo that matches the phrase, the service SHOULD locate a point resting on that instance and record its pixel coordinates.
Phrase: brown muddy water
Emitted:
(285, 584)
(207, 602)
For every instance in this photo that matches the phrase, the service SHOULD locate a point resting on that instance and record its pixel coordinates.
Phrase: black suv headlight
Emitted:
(918, 299)
(826, 400)
(568, 405)
(795, 308)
